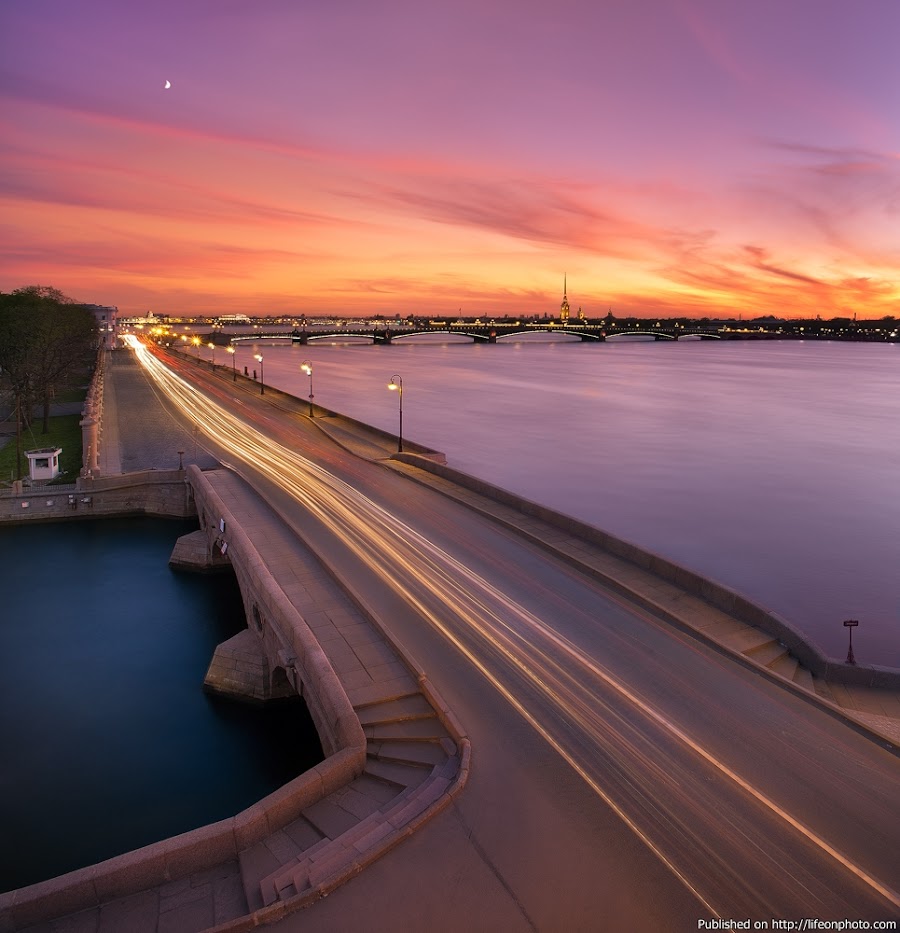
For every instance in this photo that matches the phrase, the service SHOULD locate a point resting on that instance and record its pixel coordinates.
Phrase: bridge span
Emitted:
(477, 332)
(601, 691)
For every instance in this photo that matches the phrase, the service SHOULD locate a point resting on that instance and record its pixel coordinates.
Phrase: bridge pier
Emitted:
(193, 552)
(240, 669)
(300, 337)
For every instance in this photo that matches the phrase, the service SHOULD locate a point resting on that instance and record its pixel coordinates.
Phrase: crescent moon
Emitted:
(168, 84)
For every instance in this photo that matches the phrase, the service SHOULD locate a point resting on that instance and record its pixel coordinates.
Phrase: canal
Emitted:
(109, 741)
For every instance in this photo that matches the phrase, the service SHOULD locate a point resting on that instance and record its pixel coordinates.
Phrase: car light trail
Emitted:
(630, 754)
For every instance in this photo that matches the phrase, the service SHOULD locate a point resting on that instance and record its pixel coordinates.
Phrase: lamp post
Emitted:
(306, 366)
(262, 374)
(396, 384)
(851, 624)
(212, 347)
(196, 342)
(232, 351)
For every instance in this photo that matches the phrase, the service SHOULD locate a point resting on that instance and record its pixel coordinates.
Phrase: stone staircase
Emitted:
(768, 652)
(411, 761)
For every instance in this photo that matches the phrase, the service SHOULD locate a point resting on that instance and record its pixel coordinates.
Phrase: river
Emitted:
(769, 466)
(109, 742)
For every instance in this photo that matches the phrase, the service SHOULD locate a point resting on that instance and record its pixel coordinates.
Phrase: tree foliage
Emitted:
(45, 340)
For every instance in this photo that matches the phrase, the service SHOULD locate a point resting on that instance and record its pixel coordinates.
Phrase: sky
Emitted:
(703, 157)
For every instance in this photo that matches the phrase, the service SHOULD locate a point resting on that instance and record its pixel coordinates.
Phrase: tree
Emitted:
(45, 340)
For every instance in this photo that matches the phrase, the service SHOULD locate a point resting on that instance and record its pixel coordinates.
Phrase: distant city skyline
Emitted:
(662, 157)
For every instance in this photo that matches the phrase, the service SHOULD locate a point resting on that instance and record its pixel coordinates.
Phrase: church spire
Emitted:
(564, 307)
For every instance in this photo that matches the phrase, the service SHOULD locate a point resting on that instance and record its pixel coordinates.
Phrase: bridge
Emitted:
(477, 332)
(526, 721)
(381, 332)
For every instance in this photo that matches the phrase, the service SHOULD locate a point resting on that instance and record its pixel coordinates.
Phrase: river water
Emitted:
(109, 742)
(771, 467)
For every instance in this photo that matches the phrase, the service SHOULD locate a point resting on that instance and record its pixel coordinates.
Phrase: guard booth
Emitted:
(43, 463)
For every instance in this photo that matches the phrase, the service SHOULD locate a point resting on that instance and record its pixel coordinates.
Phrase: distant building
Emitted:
(564, 307)
(107, 323)
(233, 319)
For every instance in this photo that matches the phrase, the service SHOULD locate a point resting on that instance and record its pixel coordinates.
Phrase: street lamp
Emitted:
(262, 374)
(212, 347)
(306, 366)
(232, 351)
(196, 342)
(851, 624)
(396, 384)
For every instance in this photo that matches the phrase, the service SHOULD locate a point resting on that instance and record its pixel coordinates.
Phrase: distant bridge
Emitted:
(477, 332)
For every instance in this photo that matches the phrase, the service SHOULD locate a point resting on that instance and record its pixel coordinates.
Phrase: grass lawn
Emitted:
(70, 395)
(65, 432)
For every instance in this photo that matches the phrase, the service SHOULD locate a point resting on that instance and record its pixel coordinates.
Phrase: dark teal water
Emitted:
(108, 741)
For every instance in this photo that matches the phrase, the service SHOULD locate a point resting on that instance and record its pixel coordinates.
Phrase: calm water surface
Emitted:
(109, 741)
(771, 467)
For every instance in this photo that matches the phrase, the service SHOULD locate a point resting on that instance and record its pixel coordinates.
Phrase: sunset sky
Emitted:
(703, 157)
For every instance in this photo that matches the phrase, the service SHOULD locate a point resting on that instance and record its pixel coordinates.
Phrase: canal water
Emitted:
(769, 466)
(109, 742)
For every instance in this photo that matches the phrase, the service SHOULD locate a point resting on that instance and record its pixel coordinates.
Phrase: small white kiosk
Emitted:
(43, 463)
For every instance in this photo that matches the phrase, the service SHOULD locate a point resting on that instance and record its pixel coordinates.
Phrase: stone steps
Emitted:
(396, 772)
(409, 730)
(804, 678)
(399, 710)
(261, 860)
(747, 640)
(785, 666)
(425, 754)
(766, 653)
(408, 756)
(331, 855)
(823, 690)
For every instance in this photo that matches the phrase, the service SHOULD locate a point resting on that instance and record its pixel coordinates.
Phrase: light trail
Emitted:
(604, 730)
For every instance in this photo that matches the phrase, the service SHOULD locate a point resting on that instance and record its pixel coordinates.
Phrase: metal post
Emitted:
(262, 374)
(306, 366)
(851, 624)
(396, 383)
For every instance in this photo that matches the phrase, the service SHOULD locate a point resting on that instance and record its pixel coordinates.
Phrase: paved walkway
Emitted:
(138, 432)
